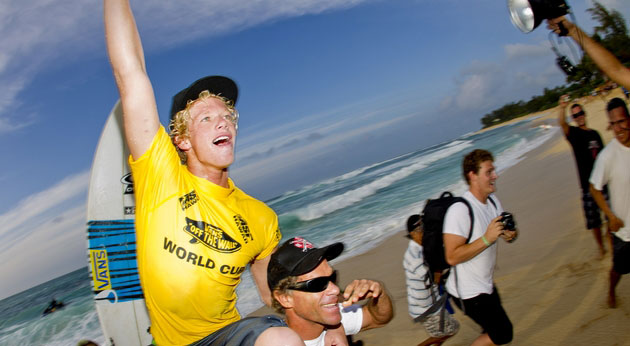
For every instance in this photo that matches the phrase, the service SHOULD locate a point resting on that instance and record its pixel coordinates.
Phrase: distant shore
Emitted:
(552, 285)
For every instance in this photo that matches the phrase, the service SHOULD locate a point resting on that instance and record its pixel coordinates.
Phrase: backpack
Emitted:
(433, 223)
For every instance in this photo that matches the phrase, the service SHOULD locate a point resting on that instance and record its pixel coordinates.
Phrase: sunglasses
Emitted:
(315, 285)
(578, 114)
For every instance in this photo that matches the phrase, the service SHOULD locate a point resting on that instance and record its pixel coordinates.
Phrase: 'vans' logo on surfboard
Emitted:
(188, 200)
(127, 181)
(211, 236)
(100, 270)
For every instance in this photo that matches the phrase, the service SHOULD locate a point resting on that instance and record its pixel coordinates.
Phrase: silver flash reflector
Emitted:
(526, 15)
(522, 15)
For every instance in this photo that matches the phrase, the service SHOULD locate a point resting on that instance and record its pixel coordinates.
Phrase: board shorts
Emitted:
(242, 332)
(486, 311)
(441, 324)
(592, 212)
(621, 255)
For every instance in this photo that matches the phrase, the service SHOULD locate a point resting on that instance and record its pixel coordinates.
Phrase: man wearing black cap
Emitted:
(304, 288)
(586, 144)
(196, 232)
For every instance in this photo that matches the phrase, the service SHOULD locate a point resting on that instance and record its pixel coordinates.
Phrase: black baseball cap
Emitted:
(298, 256)
(218, 85)
(412, 222)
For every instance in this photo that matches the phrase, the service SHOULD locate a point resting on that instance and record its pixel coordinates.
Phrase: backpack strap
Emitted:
(470, 213)
(493, 202)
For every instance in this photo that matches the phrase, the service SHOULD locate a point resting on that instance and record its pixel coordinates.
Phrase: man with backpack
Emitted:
(472, 251)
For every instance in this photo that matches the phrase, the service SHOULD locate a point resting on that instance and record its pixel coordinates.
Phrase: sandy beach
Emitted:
(552, 284)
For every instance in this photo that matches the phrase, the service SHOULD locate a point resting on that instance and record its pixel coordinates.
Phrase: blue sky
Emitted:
(326, 86)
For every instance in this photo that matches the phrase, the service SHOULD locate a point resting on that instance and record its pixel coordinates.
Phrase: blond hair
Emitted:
(178, 126)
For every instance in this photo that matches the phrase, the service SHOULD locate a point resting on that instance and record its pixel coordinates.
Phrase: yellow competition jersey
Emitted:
(194, 240)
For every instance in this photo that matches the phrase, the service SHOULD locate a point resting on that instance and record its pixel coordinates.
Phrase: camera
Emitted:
(507, 220)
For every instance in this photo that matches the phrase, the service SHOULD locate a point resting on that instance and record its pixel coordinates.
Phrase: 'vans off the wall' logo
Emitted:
(211, 236)
(127, 181)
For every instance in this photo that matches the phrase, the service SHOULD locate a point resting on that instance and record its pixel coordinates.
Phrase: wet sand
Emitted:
(552, 284)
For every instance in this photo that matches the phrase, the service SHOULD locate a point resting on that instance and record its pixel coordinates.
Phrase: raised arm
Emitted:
(606, 62)
(124, 47)
(562, 117)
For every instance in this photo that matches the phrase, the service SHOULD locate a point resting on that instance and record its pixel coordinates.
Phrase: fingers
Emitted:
(361, 289)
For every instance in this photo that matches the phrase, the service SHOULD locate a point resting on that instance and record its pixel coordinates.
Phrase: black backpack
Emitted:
(433, 223)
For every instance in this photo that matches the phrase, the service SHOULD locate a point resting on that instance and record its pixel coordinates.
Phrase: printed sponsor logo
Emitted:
(100, 270)
(188, 200)
(278, 234)
(198, 260)
(301, 243)
(243, 228)
(127, 181)
(130, 210)
(211, 236)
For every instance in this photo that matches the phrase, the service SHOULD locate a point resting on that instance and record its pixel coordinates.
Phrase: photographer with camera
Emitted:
(471, 280)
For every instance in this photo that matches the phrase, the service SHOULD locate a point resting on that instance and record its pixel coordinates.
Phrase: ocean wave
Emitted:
(516, 153)
(320, 209)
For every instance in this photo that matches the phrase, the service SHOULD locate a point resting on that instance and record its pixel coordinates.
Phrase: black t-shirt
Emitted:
(587, 144)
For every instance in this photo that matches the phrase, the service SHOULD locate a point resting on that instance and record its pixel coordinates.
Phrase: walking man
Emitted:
(472, 275)
(586, 144)
(612, 168)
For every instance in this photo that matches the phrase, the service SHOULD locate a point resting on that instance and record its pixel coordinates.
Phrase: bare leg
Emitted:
(434, 341)
(597, 233)
(483, 340)
(614, 280)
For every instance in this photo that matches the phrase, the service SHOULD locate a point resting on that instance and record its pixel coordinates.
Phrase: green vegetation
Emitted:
(612, 33)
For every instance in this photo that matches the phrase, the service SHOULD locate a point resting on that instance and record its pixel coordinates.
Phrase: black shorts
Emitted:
(621, 255)
(592, 212)
(242, 332)
(486, 311)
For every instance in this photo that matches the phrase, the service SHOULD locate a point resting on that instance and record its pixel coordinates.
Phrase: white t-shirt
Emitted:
(612, 167)
(474, 276)
(351, 319)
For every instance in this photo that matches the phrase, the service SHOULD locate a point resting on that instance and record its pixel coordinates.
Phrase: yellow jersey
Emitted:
(194, 240)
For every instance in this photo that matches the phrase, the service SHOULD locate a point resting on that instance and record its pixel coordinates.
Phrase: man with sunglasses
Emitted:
(612, 168)
(304, 289)
(586, 144)
(196, 231)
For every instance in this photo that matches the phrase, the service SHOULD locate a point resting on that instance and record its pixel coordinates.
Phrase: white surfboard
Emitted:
(112, 241)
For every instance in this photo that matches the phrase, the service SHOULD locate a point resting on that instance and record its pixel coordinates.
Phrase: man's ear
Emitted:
(285, 299)
(182, 143)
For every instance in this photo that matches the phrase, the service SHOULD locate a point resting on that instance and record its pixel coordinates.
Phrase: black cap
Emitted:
(217, 85)
(298, 256)
(412, 222)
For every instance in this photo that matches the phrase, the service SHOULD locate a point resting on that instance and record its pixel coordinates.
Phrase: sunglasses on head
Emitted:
(317, 284)
(578, 114)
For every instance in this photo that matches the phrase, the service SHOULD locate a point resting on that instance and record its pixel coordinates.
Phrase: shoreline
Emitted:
(552, 285)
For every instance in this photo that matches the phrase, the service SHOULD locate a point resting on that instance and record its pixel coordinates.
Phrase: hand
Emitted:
(494, 230)
(614, 224)
(564, 101)
(510, 236)
(361, 289)
(554, 25)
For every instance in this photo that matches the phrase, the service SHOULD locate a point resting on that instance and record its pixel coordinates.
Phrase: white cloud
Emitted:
(519, 51)
(30, 212)
(52, 249)
(39, 34)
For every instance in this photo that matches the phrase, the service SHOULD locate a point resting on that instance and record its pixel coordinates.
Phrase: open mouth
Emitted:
(221, 140)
